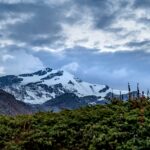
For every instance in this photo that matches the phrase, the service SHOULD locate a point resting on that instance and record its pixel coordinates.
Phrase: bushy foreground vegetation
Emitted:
(120, 125)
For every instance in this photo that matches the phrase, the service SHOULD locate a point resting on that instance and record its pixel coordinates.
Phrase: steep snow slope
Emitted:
(44, 85)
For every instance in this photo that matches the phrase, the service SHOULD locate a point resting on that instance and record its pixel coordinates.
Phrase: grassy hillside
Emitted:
(119, 126)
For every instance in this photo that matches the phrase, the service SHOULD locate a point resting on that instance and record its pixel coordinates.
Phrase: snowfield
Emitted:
(44, 85)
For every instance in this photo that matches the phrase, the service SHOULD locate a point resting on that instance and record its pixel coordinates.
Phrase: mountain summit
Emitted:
(47, 84)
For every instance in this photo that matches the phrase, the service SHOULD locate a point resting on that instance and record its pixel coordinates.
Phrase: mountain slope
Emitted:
(69, 101)
(44, 85)
(10, 106)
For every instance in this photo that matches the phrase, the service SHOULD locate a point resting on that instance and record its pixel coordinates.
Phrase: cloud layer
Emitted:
(33, 31)
(55, 26)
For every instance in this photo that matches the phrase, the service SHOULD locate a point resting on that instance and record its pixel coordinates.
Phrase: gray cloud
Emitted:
(44, 20)
(114, 69)
(142, 4)
(139, 44)
(102, 11)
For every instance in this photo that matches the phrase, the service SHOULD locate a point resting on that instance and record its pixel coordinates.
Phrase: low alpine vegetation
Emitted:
(119, 125)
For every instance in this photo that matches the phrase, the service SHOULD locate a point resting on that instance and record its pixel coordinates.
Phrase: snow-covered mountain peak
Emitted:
(46, 84)
(47, 76)
(37, 73)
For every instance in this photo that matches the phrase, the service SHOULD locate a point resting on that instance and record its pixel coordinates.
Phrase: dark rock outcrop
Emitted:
(10, 106)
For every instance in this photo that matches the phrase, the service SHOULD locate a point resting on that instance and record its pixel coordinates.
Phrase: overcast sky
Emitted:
(101, 41)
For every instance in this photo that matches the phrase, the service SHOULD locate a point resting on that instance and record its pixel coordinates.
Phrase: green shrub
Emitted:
(112, 126)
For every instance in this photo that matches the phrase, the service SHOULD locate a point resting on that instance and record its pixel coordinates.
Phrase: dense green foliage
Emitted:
(120, 126)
